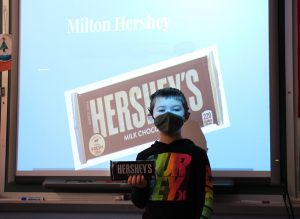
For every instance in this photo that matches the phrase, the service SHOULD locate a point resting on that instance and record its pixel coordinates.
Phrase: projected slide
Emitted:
(87, 69)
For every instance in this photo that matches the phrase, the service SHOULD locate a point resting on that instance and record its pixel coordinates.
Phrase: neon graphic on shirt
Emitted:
(208, 202)
(172, 173)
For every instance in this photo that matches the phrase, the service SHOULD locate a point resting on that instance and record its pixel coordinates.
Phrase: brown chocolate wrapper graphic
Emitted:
(112, 116)
(121, 170)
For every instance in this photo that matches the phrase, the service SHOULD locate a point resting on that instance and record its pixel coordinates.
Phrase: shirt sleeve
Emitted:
(205, 185)
(140, 196)
(208, 200)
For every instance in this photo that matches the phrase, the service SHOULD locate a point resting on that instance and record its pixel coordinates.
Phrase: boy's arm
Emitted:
(209, 194)
(139, 195)
(206, 186)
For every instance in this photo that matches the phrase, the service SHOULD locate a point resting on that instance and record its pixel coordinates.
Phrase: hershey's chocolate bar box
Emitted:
(109, 119)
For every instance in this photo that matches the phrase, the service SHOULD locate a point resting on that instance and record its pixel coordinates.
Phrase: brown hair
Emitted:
(168, 92)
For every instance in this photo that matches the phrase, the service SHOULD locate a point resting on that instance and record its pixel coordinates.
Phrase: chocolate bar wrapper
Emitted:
(109, 119)
(121, 170)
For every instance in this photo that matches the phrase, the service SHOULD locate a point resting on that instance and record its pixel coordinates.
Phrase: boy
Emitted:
(183, 186)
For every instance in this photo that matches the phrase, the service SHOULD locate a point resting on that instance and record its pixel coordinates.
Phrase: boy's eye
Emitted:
(176, 109)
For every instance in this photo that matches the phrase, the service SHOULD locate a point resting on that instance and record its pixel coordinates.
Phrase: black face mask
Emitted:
(168, 123)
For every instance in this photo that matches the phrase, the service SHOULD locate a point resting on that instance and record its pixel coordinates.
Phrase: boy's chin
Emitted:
(172, 133)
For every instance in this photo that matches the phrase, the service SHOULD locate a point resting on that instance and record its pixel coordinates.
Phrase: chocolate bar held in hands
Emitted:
(121, 170)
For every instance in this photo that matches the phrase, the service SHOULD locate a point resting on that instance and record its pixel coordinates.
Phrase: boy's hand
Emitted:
(137, 181)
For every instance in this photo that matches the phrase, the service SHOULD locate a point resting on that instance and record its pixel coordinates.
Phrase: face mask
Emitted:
(169, 123)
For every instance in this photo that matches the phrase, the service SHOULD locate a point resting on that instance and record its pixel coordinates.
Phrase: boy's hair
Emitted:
(168, 92)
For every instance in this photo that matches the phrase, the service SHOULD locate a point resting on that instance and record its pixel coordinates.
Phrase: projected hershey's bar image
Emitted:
(112, 115)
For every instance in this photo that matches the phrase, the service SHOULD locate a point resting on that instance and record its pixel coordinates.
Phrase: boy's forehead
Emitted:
(167, 101)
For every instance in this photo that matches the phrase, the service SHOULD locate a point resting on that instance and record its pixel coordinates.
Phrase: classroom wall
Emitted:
(22, 215)
(222, 210)
(297, 88)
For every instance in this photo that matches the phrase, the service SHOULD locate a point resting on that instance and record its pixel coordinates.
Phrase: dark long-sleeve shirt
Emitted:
(183, 185)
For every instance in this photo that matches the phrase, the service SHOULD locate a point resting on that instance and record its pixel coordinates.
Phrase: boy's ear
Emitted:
(150, 117)
(187, 116)
(149, 113)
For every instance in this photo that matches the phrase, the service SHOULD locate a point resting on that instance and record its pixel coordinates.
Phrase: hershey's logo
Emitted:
(120, 170)
(104, 109)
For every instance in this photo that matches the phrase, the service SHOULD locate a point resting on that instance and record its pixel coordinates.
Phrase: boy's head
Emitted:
(168, 94)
